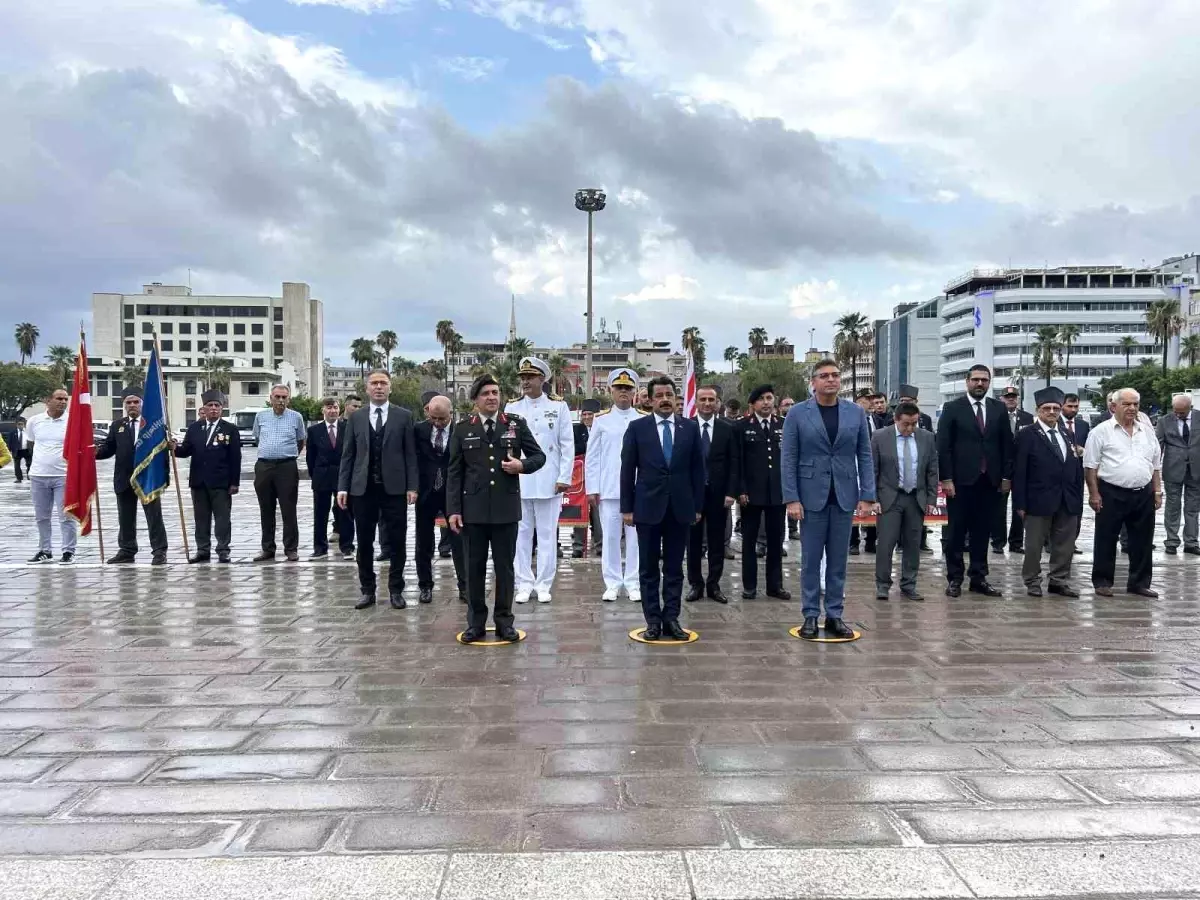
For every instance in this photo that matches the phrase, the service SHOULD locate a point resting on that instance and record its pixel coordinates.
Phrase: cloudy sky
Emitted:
(768, 162)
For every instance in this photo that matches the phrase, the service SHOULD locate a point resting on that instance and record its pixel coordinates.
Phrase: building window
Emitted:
(278, 332)
(222, 346)
(189, 386)
(202, 346)
(147, 328)
(239, 327)
(256, 328)
(101, 388)
(166, 328)
(128, 311)
(222, 328)
(253, 388)
(239, 346)
(258, 362)
(168, 345)
(928, 312)
(256, 346)
(185, 346)
(128, 329)
(278, 312)
(185, 327)
(278, 349)
(201, 328)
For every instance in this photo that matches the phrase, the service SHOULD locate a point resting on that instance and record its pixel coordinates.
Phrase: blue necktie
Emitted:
(666, 427)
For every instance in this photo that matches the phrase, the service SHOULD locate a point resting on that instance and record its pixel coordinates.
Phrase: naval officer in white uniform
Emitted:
(602, 478)
(541, 492)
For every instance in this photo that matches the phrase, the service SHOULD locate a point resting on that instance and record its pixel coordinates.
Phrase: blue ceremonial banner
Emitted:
(150, 456)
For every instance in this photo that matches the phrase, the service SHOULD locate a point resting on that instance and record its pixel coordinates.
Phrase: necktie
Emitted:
(491, 431)
(706, 439)
(378, 418)
(1071, 428)
(333, 436)
(212, 430)
(438, 446)
(906, 480)
(1187, 432)
(133, 426)
(979, 416)
(1054, 443)
(666, 441)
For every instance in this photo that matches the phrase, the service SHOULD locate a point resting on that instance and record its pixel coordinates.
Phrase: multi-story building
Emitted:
(907, 351)
(991, 316)
(1181, 279)
(862, 373)
(776, 350)
(341, 381)
(266, 341)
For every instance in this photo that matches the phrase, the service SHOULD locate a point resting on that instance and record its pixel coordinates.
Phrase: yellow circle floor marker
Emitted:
(821, 639)
(492, 642)
(637, 633)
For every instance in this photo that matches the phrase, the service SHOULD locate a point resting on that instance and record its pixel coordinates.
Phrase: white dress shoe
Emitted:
(543, 596)
(609, 595)
(635, 595)
(522, 597)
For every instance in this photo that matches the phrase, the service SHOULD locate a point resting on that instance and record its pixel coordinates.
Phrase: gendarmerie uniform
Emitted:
(549, 421)
(214, 476)
(760, 475)
(489, 501)
(121, 440)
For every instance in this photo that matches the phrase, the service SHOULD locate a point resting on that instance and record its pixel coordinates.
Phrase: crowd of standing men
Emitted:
(662, 488)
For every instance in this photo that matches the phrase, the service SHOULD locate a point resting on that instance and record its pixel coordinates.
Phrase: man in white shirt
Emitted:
(549, 421)
(45, 435)
(1123, 466)
(602, 480)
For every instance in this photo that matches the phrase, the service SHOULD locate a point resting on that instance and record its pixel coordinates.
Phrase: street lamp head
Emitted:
(590, 200)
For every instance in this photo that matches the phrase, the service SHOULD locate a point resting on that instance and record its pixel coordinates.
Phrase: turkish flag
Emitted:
(79, 448)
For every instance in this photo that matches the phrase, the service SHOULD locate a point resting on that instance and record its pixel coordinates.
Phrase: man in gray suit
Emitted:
(1181, 474)
(379, 470)
(906, 479)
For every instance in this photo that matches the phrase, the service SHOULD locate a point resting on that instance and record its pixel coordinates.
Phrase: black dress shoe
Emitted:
(674, 631)
(1063, 590)
(1034, 591)
(694, 593)
(508, 633)
(780, 594)
(381, 557)
(1125, 548)
(998, 550)
(760, 550)
(577, 553)
(398, 601)
(913, 596)
(1192, 551)
(223, 557)
(1078, 552)
(319, 554)
(982, 587)
(426, 595)
(121, 559)
(652, 633)
(718, 596)
(471, 635)
(159, 559)
(854, 550)
(836, 628)
(1015, 548)
(199, 558)
(1104, 591)
(444, 554)
(809, 628)
(749, 595)
(365, 601)
(1143, 592)
(953, 589)
(291, 556)
(264, 557)
(868, 548)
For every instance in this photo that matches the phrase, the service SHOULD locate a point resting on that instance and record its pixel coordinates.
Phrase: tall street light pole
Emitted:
(589, 200)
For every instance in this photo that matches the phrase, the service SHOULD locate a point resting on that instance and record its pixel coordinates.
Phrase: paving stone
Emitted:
(595, 876)
(435, 762)
(66, 838)
(973, 826)
(902, 757)
(1138, 730)
(1138, 786)
(432, 831)
(987, 732)
(792, 790)
(28, 879)
(106, 768)
(1109, 708)
(1180, 706)
(431, 737)
(1022, 788)
(241, 767)
(620, 760)
(1129, 688)
(811, 827)
(134, 741)
(15, 769)
(648, 829)
(777, 759)
(1117, 757)
(33, 800)
(292, 835)
(295, 796)
(39, 700)
(884, 873)
(520, 792)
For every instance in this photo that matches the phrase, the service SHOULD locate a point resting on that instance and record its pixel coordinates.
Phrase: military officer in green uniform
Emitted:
(488, 454)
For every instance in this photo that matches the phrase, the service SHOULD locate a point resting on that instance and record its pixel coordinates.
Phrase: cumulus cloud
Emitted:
(471, 68)
(675, 287)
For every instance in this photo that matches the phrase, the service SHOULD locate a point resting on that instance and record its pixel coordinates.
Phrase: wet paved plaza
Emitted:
(240, 728)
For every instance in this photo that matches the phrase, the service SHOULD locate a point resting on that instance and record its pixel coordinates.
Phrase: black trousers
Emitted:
(427, 513)
(580, 532)
(711, 530)
(19, 457)
(971, 511)
(371, 508)
(127, 505)
(502, 539)
(209, 504)
(1002, 530)
(1134, 511)
(661, 544)
(343, 522)
(278, 481)
(773, 517)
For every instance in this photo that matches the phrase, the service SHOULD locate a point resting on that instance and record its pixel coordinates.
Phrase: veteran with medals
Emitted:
(489, 453)
(215, 448)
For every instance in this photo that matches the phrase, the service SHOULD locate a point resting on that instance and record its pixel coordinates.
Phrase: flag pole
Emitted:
(99, 519)
(162, 391)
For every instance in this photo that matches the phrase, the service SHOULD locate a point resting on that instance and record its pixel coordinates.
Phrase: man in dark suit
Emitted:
(323, 456)
(488, 454)
(760, 491)
(432, 438)
(215, 448)
(1002, 529)
(909, 394)
(866, 400)
(1180, 443)
(122, 436)
(379, 471)
(16, 446)
(1047, 494)
(975, 462)
(718, 440)
(906, 479)
(583, 429)
(1075, 430)
(662, 494)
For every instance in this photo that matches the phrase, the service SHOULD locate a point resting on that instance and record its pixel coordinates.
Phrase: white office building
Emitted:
(266, 340)
(907, 351)
(991, 316)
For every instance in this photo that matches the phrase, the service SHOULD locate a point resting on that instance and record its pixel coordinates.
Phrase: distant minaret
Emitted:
(512, 320)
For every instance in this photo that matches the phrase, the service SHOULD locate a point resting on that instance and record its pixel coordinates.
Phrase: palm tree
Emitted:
(558, 369)
(1066, 336)
(387, 340)
(402, 366)
(692, 340)
(362, 351)
(1164, 322)
(1045, 346)
(779, 343)
(217, 372)
(62, 359)
(134, 376)
(758, 340)
(849, 342)
(433, 368)
(730, 356)
(444, 332)
(518, 347)
(26, 335)
(483, 362)
(505, 372)
(1127, 344)
(1146, 361)
(1190, 347)
(639, 367)
(454, 348)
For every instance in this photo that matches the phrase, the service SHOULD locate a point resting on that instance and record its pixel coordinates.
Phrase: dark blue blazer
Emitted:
(650, 489)
(1042, 482)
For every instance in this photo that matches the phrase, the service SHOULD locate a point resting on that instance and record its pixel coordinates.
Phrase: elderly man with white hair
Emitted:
(1181, 473)
(1123, 466)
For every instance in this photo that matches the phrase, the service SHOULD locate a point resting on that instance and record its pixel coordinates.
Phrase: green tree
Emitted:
(362, 352)
(434, 368)
(518, 347)
(1164, 322)
(455, 347)
(788, 379)
(1190, 347)
(21, 387)
(26, 335)
(1067, 335)
(387, 340)
(62, 362)
(134, 376)
(558, 371)
(444, 332)
(758, 340)
(691, 339)
(730, 356)
(309, 407)
(849, 342)
(406, 392)
(218, 373)
(1127, 344)
(402, 366)
(1045, 346)
(505, 372)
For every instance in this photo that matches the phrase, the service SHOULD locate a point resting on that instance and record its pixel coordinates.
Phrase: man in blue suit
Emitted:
(828, 476)
(662, 494)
